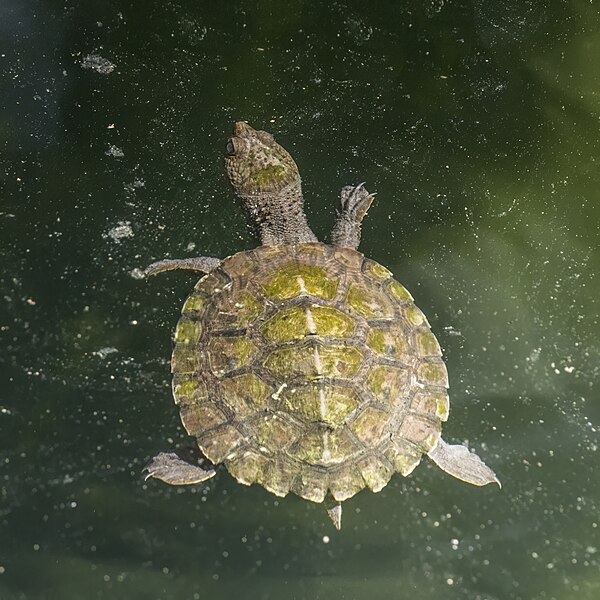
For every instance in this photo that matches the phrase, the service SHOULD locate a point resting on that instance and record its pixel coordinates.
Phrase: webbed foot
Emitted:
(205, 264)
(354, 204)
(355, 201)
(459, 462)
(171, 468)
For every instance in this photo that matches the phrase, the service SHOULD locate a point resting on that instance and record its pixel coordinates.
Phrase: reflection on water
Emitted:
(477, 126)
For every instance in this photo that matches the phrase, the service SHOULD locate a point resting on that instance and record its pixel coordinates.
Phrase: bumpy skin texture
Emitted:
(266, 178)
(308, 369)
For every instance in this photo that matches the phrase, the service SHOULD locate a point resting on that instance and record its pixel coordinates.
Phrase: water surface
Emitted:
(478, 127)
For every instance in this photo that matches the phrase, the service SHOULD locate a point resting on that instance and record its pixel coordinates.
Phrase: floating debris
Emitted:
(122, 230)
(104, 352)
(115, 152)
(95, 62)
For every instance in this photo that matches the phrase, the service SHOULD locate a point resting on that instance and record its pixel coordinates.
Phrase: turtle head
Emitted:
(256, 164)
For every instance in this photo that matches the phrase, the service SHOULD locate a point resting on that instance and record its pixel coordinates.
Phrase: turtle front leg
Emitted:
(174, 470)
(459, 462)
(354, 204)
(205, 264)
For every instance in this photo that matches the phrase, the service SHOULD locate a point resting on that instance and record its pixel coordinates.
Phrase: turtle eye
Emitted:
(230, 148)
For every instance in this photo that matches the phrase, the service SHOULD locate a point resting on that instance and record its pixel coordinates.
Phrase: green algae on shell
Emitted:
(309, 371)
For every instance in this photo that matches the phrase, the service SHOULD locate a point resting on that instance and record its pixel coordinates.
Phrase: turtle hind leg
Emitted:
(354, 204)
(459, 462)
(204, 264)
(334, 510)
(174, 470)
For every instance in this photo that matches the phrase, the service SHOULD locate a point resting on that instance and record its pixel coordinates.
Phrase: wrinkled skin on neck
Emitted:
(266, 178)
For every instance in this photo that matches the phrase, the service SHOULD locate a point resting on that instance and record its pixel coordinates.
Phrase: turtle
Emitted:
(303, 366)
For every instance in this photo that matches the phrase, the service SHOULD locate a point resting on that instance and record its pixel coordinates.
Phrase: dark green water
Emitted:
(478, 126)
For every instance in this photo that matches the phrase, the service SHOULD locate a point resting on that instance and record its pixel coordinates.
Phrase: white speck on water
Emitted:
(121, 231)
(534, 355)
(95, 62)
(451, 331)
(104, 352)
(326, 539)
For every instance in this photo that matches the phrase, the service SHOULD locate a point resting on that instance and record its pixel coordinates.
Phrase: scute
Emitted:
(245, 394)
(308, 369)
(228, 354)
(300, 321)
(404, 456)
(189, 389)
(313, 403)
(188, 331)
(389, 383)
(274, 432)
(420, 431)
(246, 466)
(219, 444)
(346, 483)
(375, 471)
(295, 279)
(237, 310)
(433, 373)
(315, 361)
(370, 425)
(201, 418)
(389, 341)
(276, 477)
(431, 402)
(324, 447)
(365, 300)
(311, 484)
(185, 359)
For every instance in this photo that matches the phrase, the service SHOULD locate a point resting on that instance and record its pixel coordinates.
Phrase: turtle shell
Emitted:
(309, 369)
